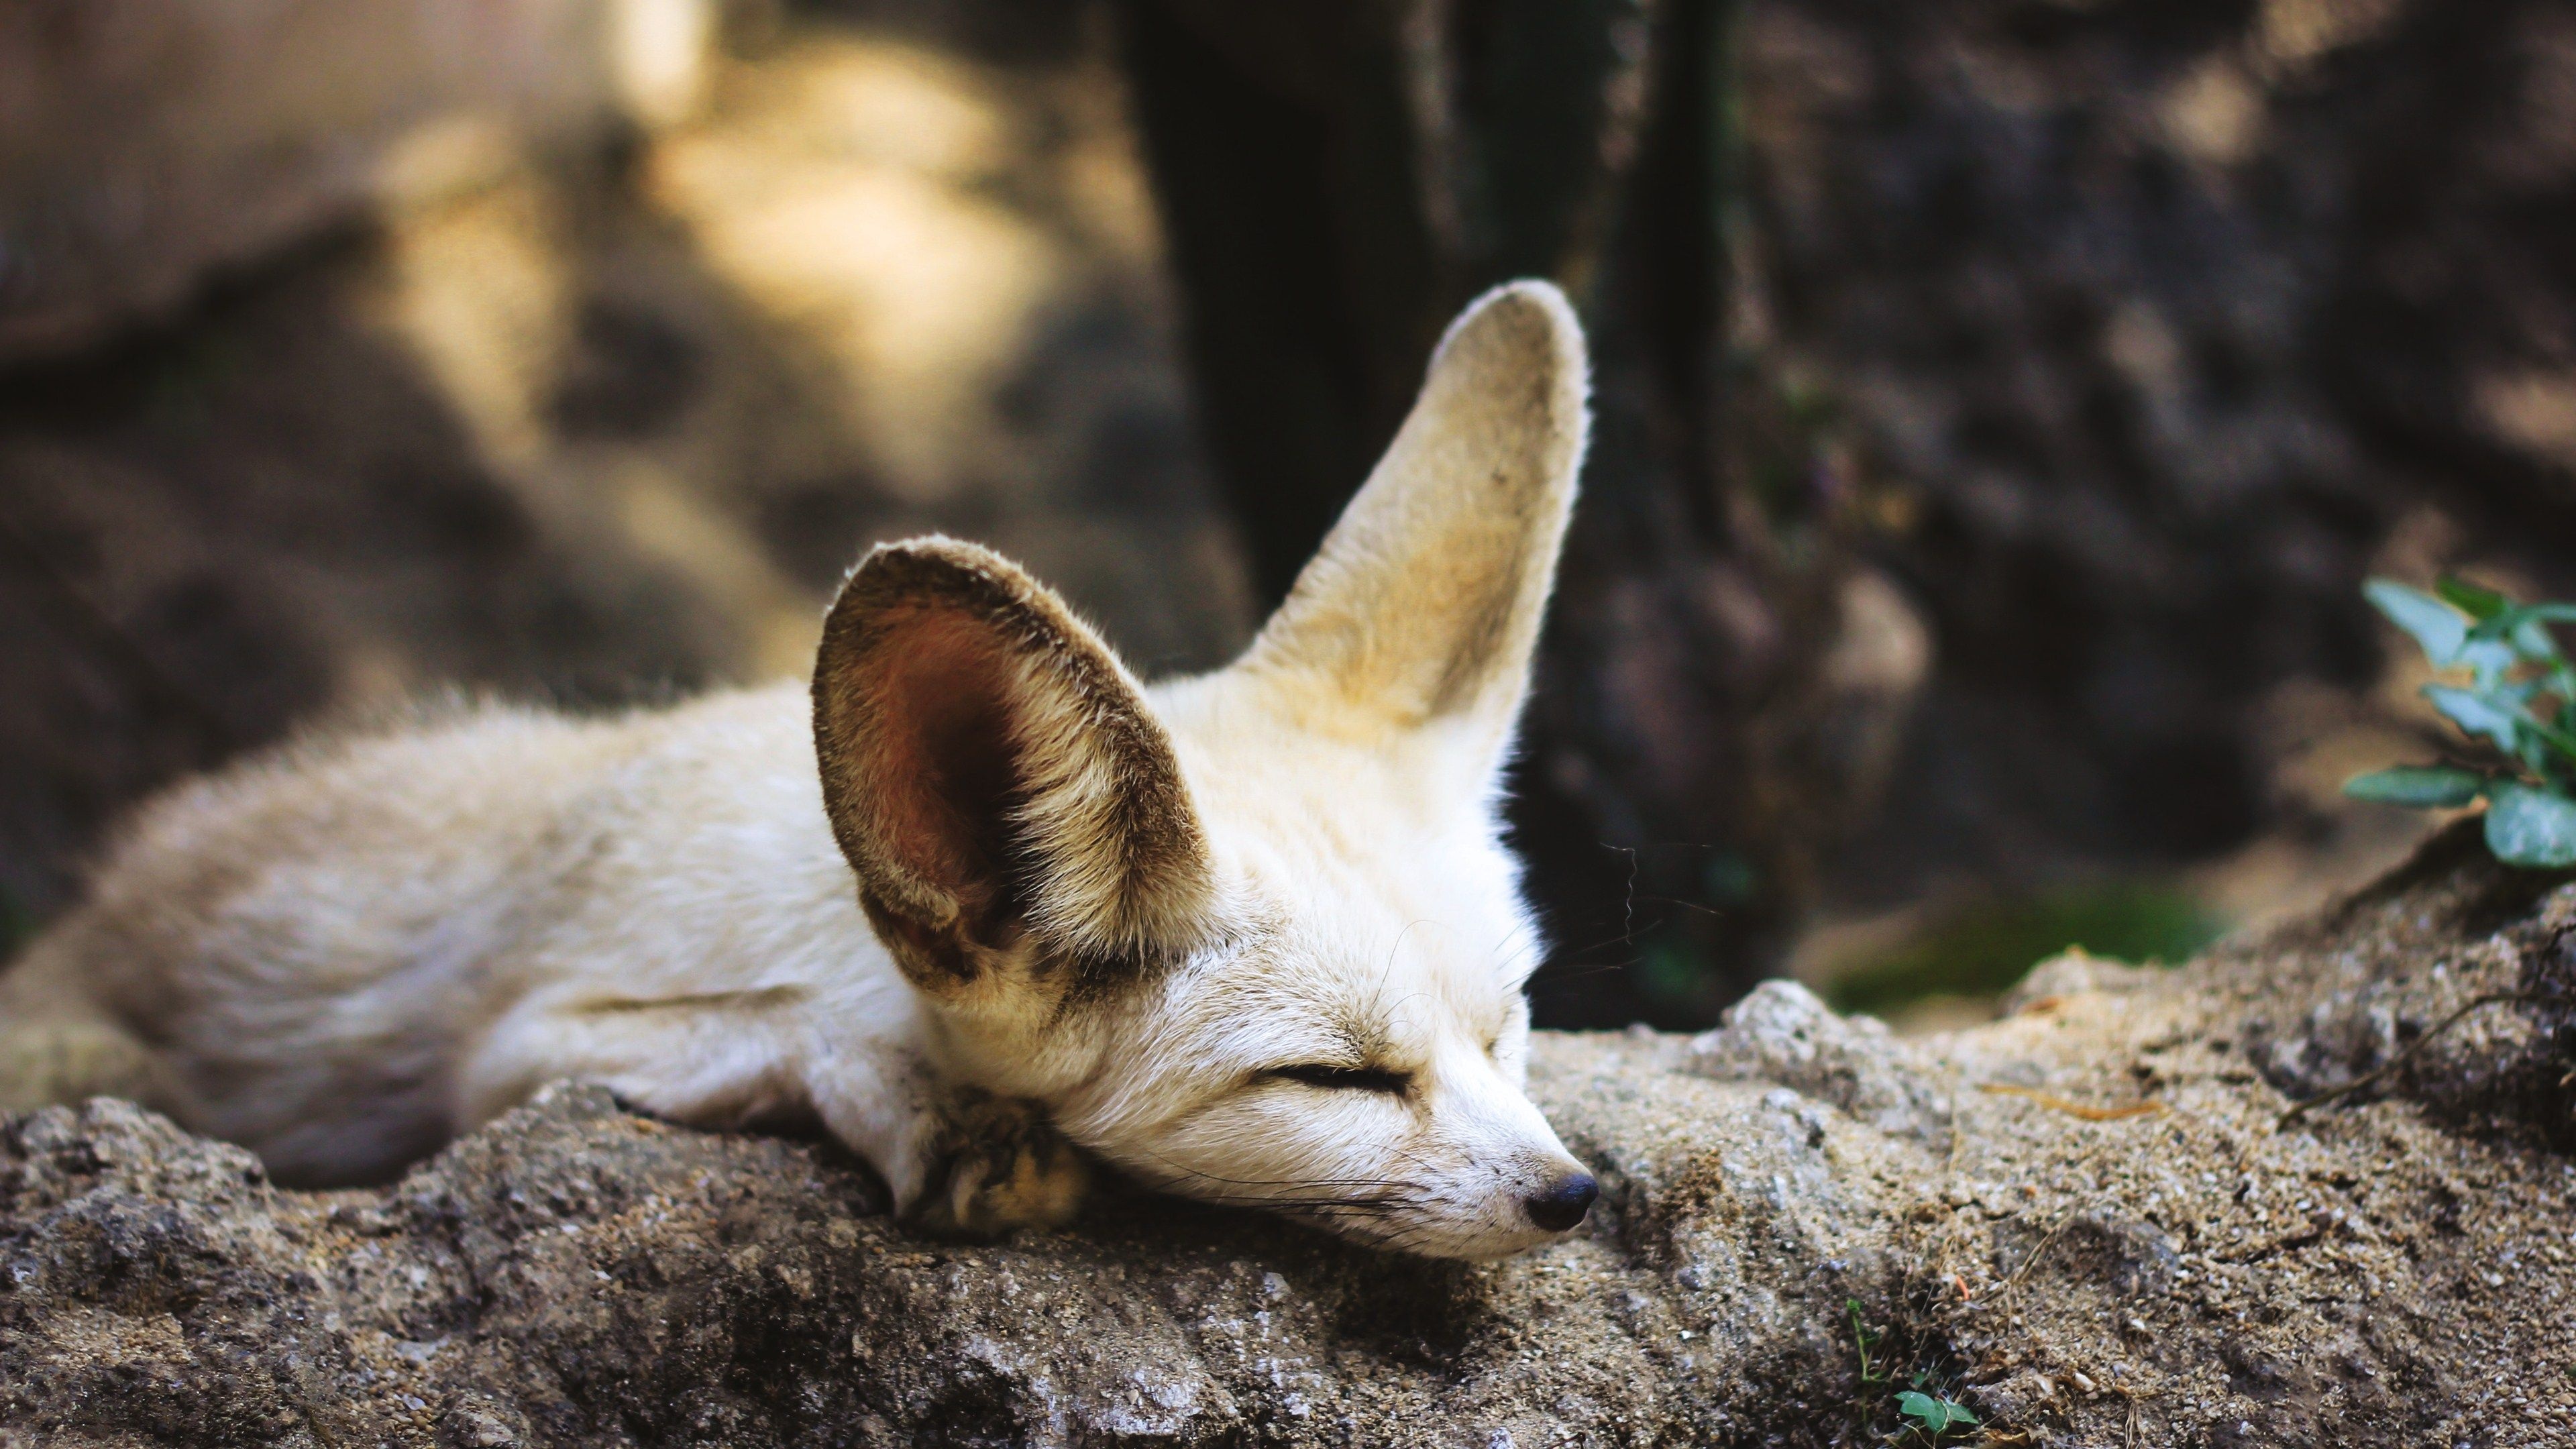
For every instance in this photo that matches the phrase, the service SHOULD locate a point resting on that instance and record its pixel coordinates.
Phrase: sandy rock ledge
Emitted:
(2397, 1268)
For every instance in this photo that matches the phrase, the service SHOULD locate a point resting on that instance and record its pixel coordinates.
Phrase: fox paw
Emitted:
(1006, 1168)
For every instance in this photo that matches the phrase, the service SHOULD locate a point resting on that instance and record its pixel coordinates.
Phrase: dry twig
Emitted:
(2418, 1044)
(2073, 1108)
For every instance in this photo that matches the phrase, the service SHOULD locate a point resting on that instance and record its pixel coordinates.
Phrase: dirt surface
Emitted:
(2394, 1267)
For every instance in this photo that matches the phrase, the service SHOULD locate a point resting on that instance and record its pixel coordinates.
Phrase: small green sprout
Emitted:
(1863, 1337)
(2520, 700)
(1934, 1417)
(1928, 1418)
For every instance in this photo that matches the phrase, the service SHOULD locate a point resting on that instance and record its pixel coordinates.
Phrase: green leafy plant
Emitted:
(2520, 699)
(1926, 1412)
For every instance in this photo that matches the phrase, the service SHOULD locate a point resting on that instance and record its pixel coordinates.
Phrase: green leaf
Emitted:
(2511, 621)
(2491, 714)
(2529, 827)
(2475, 600)
(2533, 641)
(2435, 625)
(2425, 787)
(1934, 1416)
(2539, 736)
(2490, 658)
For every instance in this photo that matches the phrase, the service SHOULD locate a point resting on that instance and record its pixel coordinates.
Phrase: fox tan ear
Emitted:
(1424, 603)
(993, 773)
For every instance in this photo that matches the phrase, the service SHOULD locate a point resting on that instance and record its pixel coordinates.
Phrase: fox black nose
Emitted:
(1564, 1203)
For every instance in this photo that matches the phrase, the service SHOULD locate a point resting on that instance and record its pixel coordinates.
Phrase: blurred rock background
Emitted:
(599, 411)
(2002, 400)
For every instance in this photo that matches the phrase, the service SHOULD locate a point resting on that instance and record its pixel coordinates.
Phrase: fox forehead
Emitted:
(1260, 750)
(1380, 913)
(1414, 821)
(1390, 998)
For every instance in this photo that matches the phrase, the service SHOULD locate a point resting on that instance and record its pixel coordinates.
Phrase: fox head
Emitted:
(1253, 936)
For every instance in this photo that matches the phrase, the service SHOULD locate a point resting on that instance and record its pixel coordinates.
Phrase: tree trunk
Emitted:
(1336, 180)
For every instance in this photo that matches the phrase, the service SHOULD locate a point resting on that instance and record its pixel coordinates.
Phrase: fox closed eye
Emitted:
(1333, 1077)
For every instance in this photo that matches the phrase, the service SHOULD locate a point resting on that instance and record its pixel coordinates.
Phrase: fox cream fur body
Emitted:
(1251, 936)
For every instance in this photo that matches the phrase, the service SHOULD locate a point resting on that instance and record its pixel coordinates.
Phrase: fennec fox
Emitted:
(1250, 936)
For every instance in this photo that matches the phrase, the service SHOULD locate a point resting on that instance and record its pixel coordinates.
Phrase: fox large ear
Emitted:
(994, 774)
(1423, 605)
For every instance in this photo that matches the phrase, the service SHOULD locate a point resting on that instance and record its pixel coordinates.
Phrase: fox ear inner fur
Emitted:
(1422, 607)
(993, 775)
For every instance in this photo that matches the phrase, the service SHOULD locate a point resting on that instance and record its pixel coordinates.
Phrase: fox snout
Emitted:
(1562, 1205)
